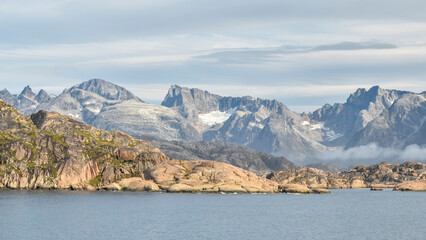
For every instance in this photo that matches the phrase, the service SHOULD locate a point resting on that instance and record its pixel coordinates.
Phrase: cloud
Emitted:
(255, 56)
(353, 46)
(230, 44)
(43, 22)
(373, 154)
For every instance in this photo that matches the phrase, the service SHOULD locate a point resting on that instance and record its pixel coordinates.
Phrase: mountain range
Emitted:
(387, 118)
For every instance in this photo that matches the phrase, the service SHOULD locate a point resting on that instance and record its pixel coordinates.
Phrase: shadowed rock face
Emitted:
(49, 150)
(380, 175)
(234, 154)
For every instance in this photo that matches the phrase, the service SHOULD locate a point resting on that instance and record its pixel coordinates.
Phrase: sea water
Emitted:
(344, 214)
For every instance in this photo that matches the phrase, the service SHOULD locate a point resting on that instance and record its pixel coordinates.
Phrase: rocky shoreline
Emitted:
(408, 176)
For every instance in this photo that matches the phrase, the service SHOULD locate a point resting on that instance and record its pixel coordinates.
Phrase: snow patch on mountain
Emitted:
(216, 117)
(94, 110)
(330, 135)
(305, 123)
(317, 126)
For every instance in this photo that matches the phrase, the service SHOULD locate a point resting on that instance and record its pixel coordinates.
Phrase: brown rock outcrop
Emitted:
(321, 191)
(419, 185)
(294, 188)
(207, 176)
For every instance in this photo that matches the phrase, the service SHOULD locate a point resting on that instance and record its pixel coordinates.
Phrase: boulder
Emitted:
(138, 184)
(294, 188)
(321, 191)
(112, 187)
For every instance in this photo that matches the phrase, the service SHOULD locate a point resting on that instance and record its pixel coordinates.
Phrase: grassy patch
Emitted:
(96, 181)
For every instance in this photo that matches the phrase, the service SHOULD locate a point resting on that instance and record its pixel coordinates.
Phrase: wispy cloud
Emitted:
(255, 56)
(373, 154)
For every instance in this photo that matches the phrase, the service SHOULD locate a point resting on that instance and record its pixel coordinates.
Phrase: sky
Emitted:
(305, 53)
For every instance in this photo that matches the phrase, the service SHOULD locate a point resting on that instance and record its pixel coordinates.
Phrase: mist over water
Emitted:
(372, 154)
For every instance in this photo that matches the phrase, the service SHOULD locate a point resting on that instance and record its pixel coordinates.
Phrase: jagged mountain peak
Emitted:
(362, 98)
(27, 92)
(7, 96)
(42, 96)
(203, 101)
(105, 89)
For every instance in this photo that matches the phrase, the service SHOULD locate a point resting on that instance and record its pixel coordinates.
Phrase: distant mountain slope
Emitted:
(235, 154)
(137, 118)
(389, 118)
(27, 101)
(263, 125)
(106, 90)
(109, 107)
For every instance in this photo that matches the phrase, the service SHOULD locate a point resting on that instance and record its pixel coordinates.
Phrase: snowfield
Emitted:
(216, 117)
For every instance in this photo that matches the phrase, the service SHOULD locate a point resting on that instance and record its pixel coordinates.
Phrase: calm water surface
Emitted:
(345, 214)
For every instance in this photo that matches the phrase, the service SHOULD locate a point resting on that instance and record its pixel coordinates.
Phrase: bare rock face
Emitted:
(50, 150)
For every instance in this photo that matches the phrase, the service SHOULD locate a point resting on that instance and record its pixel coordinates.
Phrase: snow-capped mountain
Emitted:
(387, 118)
(107, 106)
(263, 125)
